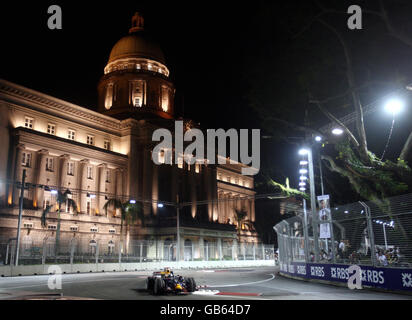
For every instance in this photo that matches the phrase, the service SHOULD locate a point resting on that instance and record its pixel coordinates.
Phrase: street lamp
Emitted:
(132, 201)
(303, 171)
(394, 106)
(337, 131)
(318, 138)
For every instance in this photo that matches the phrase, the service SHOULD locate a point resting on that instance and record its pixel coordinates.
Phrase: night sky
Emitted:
(212, 48)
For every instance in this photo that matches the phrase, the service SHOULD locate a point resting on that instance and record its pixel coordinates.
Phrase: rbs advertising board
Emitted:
(385, 278)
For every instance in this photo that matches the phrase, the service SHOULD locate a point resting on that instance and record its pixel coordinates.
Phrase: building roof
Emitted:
(138, 44)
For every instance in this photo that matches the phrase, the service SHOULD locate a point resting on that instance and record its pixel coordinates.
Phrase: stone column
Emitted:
(155, 186)
(252, 212)
(234, 249)
(81, 185)
(62, 178)
(201, 248)
(101, 187)
(13, 190)
(147, 180)
(119, 186)
(219, 248)
(38, 195)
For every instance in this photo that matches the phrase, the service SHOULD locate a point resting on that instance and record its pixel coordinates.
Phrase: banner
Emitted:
(395, 279)
(324, 215)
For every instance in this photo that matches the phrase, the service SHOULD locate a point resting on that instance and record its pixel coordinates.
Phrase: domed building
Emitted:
(105, 156)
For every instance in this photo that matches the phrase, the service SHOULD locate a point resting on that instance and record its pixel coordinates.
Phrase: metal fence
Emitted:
(376, 233)
(45, 251)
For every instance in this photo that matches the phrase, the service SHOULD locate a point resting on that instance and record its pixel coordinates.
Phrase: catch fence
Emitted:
(374, 233)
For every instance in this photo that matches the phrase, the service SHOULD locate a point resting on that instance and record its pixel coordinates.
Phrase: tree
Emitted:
(339, 68)
(331, 76)
(241, 215)
(130, 213)
(62, 198)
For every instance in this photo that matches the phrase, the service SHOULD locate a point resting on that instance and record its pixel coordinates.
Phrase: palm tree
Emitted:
(240, 216)
(130, 213)
(62, 198)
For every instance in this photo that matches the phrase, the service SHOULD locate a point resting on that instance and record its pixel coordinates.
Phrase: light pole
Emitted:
(308, 152)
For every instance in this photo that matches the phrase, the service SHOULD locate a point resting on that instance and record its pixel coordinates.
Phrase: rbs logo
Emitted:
(317, 272)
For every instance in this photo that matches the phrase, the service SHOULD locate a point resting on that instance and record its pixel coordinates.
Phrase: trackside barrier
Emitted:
(391, 279)
(28, 270)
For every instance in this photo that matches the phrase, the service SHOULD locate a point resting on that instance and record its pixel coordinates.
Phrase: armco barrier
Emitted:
(28, 270)
(392, 279)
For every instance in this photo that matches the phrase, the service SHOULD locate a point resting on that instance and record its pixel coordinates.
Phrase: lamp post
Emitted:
(308, 152)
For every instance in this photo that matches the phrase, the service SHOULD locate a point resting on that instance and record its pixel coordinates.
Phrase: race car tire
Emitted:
(191, 285)
(159, 286)
(150, 284)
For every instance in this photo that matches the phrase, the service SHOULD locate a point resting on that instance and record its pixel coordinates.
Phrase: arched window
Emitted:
(108, 102)
(92, 246)
(110, 247)
(168, 250)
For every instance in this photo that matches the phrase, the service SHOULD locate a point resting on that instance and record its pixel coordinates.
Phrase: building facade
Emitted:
(107, 154)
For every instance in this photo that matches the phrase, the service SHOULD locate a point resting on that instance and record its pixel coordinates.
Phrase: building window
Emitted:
(28, 122)
(236, 180)
(106, 144)
(112, 230)
(165, 99)
(89, 173)
(26, 159)
(70, 169)
(74, 228)
(28, 225)
(138, 66)
(197, 168)
(180, 162)
(107, 175)
(49, 164)
(71, 134)
(137, 93)
(51, 128)
(88, 207)
(90, 140)
(228, 179)
(111, 247)
(109, 96)
(94, 229)
(52, 227)
(161, 156)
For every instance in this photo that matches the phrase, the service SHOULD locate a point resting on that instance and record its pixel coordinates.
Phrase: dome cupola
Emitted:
(136, 79)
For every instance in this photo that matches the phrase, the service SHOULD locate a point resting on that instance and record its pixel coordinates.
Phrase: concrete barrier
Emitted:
(29, 270)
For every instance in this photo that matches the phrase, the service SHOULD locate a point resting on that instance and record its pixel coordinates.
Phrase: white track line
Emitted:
(243, 284)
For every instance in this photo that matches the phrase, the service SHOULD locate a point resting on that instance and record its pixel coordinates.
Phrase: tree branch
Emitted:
(406, 148)
(363, 147)
(337, 121)
(295, 126)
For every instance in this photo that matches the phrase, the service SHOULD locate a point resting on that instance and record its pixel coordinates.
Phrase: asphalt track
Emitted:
(226, 284)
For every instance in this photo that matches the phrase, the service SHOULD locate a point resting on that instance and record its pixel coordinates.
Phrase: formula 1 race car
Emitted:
(164, 282)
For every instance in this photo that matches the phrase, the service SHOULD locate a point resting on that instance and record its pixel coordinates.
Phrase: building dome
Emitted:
(137, 45)
(136, 79)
